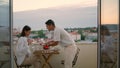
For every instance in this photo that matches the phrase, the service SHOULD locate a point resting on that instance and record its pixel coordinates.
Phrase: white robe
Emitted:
(22, 49)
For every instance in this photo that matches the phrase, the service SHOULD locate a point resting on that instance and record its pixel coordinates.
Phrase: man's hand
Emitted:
(52, 43)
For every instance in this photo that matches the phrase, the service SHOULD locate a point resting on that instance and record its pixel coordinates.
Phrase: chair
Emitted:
(21, 66)
(76, 57)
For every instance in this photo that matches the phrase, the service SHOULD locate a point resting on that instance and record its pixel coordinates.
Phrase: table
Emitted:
(46, 54)
(38, 50)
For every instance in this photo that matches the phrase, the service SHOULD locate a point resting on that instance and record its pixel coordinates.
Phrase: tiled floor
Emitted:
(87, 58)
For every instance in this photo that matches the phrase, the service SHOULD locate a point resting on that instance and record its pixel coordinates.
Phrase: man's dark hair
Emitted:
(50, 22)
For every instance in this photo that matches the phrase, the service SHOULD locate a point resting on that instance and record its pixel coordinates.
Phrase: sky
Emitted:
(110, 12)
(64, 17)
(22, 5)
(65, 13)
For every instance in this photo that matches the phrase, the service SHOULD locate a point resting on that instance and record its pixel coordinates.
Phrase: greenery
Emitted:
(82, 37)
(81, 33)
(77, 40)
(18, 35)
(41, 34)
(33, 32)
(94, 40)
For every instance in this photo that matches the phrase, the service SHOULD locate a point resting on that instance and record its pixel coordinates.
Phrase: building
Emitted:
(75, 35)
(91, 36)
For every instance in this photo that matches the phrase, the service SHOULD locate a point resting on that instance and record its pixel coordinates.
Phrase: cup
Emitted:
(45, 47)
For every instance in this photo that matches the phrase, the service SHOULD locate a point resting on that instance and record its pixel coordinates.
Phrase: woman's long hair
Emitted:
(25, 28)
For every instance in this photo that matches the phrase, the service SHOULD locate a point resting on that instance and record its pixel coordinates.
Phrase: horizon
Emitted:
(74, 27)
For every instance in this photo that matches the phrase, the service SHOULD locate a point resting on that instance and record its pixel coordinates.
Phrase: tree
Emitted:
(41, 34)
(81, 33)
(33, 32)
(94, 40)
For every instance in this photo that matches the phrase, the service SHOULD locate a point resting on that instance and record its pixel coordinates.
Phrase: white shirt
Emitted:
(22, 49)
(49, 34)
(63, 37)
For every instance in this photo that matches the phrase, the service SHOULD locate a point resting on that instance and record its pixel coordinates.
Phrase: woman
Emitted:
(107, 41)
(23, 53)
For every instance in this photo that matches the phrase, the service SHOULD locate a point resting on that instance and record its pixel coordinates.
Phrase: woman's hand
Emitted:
(30, 41)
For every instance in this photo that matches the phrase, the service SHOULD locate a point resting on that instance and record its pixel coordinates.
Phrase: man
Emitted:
(61, 37)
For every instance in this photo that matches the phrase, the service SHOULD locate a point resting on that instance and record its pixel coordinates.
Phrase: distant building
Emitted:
(75, 35)
(86, 32)
(33, 35)
(91, 36)
(94, 28)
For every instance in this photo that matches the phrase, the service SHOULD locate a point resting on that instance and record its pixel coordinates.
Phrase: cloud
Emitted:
(63, 17)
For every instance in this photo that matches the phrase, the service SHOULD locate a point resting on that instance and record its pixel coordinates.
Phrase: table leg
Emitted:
(47, 60)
